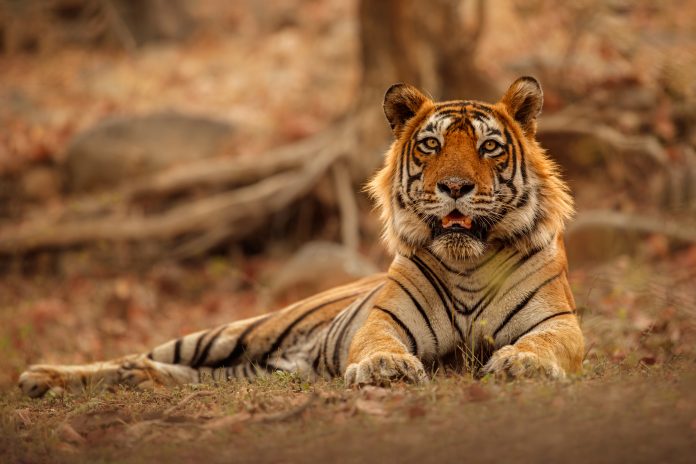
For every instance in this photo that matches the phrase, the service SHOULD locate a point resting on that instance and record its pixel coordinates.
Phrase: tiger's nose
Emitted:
(455, 187)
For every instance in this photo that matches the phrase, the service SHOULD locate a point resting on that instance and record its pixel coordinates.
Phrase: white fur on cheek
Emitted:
(409, 229)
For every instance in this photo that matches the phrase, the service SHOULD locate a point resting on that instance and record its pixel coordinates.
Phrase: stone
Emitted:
(121, 149)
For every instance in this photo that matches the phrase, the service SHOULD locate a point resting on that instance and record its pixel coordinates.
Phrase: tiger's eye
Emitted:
(429, 145)
(432, 143)
(490, 145)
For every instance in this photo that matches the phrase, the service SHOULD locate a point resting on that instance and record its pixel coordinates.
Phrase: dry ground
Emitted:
(643, 416)
(636, 399)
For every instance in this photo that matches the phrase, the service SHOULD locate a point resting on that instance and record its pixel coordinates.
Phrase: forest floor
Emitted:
(635, 400)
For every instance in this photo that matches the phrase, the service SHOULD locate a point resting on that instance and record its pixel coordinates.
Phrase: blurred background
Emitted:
(167, 165)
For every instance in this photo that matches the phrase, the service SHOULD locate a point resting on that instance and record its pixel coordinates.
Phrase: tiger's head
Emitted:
(464, 175)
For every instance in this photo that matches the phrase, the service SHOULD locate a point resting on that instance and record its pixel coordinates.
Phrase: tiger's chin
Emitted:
(459, 237)
(458, 246)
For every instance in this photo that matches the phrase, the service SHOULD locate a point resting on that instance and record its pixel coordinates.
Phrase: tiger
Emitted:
(473, 210)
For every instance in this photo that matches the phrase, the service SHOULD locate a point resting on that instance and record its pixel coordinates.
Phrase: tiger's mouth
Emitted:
(458, 223)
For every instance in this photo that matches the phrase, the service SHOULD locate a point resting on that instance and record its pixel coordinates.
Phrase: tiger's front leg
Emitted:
(135, 371)
(552, 350)
(379, 354)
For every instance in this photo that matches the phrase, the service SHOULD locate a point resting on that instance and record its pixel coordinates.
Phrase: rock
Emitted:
(118, 150)
(318, 266)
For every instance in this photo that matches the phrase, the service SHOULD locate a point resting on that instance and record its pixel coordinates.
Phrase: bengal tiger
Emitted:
(474, 212)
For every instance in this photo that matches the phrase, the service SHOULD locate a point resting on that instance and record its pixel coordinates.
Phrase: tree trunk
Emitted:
(412, 41)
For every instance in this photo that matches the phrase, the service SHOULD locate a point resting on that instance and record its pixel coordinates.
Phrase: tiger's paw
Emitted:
(41, 379)
(139, 375)
(509, 363)
(384, 368)
(38, 380)
(145, 374)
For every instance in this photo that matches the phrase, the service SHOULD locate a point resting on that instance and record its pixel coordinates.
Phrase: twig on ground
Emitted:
(188, 398)
(290, 414)
(245, 417)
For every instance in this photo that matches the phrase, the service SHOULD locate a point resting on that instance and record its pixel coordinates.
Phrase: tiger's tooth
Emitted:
(464, 221)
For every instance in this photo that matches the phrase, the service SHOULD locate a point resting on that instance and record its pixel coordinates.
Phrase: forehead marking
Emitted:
(436, 125)
(485, 126)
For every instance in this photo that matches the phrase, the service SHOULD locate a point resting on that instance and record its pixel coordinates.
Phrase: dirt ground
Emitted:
(635, 400)
(641, 416)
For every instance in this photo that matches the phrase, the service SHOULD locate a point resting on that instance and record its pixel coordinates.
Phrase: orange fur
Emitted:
(474, 211)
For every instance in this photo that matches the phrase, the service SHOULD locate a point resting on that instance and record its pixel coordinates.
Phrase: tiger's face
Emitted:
(462, 175)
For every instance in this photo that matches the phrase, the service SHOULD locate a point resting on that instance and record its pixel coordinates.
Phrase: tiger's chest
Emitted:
(467, 303)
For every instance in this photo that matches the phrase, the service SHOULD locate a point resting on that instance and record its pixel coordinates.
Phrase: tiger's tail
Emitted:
(209, 355)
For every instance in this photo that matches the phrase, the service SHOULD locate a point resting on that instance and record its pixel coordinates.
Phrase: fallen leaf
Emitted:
(416, 410)
(373, 408)
(68, 434)
(477, 393)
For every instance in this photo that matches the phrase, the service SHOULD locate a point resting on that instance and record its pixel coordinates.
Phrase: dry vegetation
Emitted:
(604, 65)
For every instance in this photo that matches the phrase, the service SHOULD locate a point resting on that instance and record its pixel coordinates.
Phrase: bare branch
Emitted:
(207, 173)
(219, 216)
(640, 145)
(350, 227)
(121, 30)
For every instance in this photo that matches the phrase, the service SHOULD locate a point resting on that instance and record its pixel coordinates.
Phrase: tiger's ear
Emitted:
(523, 101)
(401, 103)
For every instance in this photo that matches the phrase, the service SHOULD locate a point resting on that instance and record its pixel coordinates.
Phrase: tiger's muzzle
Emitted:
(457, 223)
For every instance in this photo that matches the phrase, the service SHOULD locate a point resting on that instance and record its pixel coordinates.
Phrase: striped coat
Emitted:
(474, 211)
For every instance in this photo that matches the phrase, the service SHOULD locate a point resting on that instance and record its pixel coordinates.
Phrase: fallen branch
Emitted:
(245, 417)
(187, 399)
(215, 173)
(287, 415)
(230, 214)
(677, 230)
